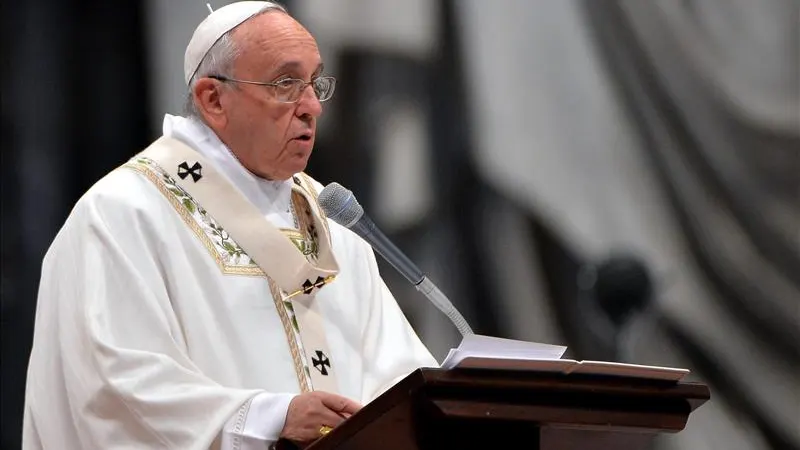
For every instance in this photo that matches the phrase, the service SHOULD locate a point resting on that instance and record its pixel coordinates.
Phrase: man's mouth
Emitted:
(303, 137)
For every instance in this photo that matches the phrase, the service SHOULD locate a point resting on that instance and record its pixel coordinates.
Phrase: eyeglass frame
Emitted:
(276, 84)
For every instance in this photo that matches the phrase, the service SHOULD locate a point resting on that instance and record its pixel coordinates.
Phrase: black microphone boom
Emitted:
(341, 206)
(368, 231)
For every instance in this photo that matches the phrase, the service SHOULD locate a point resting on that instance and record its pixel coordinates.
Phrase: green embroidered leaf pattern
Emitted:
(226, 247)
(229, 247)
(189, 205)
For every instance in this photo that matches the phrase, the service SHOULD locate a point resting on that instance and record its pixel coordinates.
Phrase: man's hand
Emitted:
(309, 412)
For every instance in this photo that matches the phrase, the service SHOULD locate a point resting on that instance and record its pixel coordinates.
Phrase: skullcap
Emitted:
(213, 27)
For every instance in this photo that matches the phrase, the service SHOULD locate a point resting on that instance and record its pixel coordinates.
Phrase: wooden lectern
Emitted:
(488, 409)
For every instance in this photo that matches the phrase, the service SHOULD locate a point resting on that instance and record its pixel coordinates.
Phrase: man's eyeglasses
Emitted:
(289, 90)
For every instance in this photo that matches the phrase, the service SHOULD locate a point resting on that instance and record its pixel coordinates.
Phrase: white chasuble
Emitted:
(156, 327)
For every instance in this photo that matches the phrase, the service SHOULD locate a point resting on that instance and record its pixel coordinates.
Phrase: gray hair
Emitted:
(219, 61)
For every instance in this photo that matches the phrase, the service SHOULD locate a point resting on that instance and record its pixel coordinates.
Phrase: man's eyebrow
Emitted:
(294, 65)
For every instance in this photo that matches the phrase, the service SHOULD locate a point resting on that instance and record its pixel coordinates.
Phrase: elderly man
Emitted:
(197, 297)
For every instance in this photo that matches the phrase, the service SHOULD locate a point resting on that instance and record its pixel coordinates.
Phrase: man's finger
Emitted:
(339, 404)
(331, 418)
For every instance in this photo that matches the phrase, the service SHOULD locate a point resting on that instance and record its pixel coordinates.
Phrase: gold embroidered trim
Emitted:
(193, 225)
(294, 348)
(304, 221)
(307, 185)
(292, 233)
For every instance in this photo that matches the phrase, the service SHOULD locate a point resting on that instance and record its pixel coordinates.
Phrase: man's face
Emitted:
(272, 139)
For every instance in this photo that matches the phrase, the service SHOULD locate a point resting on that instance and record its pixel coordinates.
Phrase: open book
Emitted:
(486, 352)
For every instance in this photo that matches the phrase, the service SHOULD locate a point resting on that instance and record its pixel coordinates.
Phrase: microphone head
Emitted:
(340, 205)
(621, 285)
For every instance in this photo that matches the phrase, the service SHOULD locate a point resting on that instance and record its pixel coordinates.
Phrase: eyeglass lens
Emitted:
(290, 90)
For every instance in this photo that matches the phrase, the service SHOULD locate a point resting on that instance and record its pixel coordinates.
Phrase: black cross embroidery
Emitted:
(308, 286)
(321, 362)
(195, 171)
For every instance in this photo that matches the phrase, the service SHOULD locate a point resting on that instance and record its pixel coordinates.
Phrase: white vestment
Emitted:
(154, 331)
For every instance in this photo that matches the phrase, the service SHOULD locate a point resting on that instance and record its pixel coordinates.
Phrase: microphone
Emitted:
(613, 291)
(341, 206)
(621, 286)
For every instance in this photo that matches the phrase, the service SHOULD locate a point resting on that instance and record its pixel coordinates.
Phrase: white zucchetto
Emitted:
(214, 26)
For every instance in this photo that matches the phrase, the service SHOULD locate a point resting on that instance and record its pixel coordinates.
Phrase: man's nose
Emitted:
(308, 103)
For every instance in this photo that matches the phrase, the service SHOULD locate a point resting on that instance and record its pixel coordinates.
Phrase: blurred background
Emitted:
(618, 176)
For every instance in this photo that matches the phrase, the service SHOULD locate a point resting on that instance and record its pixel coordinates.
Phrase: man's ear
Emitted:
(206, 94)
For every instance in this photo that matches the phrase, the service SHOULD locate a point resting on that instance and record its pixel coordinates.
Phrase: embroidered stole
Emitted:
(294, 276)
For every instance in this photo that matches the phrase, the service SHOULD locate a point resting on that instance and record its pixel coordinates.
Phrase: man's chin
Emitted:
(288, 170)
